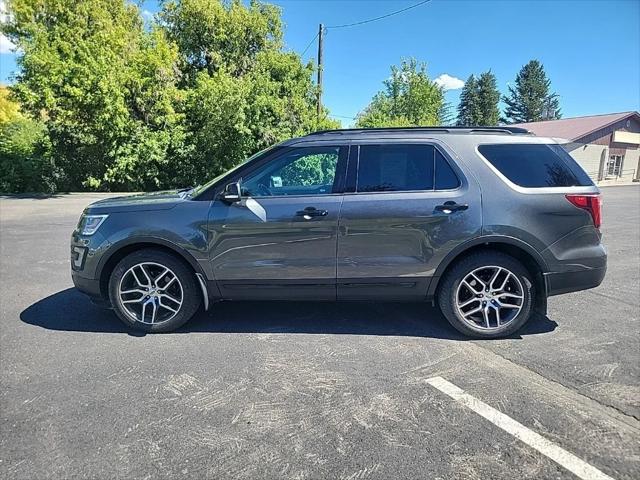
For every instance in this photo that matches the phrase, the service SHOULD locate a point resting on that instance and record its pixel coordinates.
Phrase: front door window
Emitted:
(300, 171)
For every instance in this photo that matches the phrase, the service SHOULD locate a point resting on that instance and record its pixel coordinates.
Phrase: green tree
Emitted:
(96, 78)
(479, 101)
(410, 98)
(468, 106)
(143, 158)
(9, 110)
(488, 100)
(126, 106)
(228, 118)
(215, 35)
(243, 92)
(531, 100)
(24, 162)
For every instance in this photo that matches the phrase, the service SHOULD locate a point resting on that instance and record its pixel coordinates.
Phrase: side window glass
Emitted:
(299, 171)
(446, 178)
(535, 165)
(395, 168)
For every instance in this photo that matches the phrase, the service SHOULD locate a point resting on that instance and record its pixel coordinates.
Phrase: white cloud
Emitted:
(147, 15)
(6, 45)
(4, 15)
(447, 82)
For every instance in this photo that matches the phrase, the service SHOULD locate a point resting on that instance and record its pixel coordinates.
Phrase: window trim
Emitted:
(353, 171)
(530, 190)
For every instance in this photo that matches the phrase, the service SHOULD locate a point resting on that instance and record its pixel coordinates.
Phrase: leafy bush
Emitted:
(24, 162)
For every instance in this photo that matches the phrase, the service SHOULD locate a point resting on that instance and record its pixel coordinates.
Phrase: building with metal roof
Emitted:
(607, 146)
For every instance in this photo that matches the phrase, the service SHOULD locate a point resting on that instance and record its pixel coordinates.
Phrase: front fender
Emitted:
(182, 229)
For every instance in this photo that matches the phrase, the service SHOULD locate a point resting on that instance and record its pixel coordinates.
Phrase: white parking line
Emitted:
(569, 461)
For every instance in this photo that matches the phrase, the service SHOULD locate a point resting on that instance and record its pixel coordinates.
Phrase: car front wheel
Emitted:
(153, 291)
(487, 295)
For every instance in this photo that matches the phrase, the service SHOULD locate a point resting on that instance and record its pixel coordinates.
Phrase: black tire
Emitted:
(455, 275)
(191, 298)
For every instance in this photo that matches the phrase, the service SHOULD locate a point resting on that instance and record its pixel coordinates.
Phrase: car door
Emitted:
(279, 241)
(406, 205)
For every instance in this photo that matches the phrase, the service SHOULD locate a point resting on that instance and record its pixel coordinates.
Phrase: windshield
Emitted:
(201, 188)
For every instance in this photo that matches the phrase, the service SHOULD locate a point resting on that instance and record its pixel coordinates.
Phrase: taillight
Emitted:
(592, 203)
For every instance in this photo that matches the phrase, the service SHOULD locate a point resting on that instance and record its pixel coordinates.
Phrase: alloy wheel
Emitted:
(150, 293)
(489, 297)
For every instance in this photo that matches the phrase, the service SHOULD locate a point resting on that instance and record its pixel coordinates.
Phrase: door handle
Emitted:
(310, 212)
(450, 207)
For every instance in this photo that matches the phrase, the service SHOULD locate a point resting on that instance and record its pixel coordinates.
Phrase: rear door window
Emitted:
(535, 165)
(395, 168)
(403, 168)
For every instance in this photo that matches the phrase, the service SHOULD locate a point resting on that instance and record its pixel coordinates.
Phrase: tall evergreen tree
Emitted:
(447, 114)
(531, 99)
(468, 106)
(488, 99)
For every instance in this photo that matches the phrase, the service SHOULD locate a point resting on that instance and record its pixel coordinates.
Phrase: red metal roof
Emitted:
(573, 128)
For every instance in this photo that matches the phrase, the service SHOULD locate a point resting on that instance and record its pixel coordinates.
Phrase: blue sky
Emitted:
(590, 49)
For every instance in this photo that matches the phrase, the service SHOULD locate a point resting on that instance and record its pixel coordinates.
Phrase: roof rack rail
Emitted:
(505, 129)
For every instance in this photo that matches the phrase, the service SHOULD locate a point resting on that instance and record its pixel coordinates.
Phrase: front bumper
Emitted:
(564, 282)
(85, 253)
(89, 286)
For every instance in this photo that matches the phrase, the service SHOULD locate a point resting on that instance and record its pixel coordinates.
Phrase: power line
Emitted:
(322, 31)
(361, 23)
(342, 116)
(307, 47)
(381, 17)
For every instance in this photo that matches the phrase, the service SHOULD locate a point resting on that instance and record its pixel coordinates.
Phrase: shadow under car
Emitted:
(70, 310)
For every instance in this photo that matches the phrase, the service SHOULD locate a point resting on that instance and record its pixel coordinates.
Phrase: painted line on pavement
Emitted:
(569, 461)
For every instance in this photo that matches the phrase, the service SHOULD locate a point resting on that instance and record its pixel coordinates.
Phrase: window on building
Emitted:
(614, 168)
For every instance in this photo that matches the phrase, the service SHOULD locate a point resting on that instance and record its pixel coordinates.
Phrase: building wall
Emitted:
(590, 157)
(601, 139)
(632, 162)
(604, 135)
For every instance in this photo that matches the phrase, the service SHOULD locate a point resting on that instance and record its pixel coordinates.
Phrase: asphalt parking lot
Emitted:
(289, 390)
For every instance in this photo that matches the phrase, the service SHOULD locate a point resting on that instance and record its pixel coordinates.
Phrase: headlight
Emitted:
(89, 224)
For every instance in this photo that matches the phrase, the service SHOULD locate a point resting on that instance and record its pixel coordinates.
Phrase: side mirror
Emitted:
(232, 193)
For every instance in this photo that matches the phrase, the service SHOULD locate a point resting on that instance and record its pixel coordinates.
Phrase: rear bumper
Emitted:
(558, 283)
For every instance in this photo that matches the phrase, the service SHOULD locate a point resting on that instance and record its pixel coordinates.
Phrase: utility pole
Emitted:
(320, 66)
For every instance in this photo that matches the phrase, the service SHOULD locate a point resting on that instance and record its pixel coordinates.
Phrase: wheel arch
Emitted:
(121, 249)
(522, 251)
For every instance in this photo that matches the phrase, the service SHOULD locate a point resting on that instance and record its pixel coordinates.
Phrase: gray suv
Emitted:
(485, 222)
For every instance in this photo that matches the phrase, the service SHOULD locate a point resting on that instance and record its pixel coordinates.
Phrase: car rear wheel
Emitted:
(153, 291)
(487, 295)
